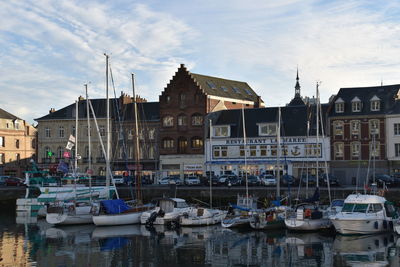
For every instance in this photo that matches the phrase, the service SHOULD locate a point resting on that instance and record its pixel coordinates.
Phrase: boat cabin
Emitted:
(368, 204)
(169, 204)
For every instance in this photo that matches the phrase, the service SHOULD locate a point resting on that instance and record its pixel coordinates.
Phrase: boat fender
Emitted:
(161, 213)
(391, 225)
(307, 213)
(376, 225)
(385, 224)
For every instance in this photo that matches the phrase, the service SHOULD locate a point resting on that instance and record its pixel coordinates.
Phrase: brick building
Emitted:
(17, 144)
(184, 103)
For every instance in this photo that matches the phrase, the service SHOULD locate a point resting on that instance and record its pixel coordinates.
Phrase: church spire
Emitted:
(297, 87)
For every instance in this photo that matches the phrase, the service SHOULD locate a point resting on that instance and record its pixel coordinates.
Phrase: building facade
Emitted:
(55, 129)
(18, 142)
(184, 103)
(362, 122)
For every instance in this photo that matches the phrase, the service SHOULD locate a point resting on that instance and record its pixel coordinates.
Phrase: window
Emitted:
(182, 100)
(16, 124)
(168, 121)
(355, 127)
(182, 145)
(397, 150)
(151, 151)
(374, 128)
(211, 85)
(197, 142)
(338, 128)
(375, 105)
(236, 90)
(313, 150)
(263, 151)
(152, 133)
(253, 151)
(60, 152)
(221, 131)
(396, 128)
(121, 153)
(167, 99)
(339, 107)
(220, 151)
(339, 150)
(224, 88)
(61, 131)
(2, 158)
(130, 134)
(182, 120)
(73, 132)
(2, 141)
(197, 120)
(47, 132)
(248, 91)
(47, 152)
(102, 130)
(168, 143)
(355, 150)
(374, 149)
(33, 143)
(267, 129)
(89, 131)
(274, 150)
(356, 104)
(17, 157)
(242, 151)
(17, 143)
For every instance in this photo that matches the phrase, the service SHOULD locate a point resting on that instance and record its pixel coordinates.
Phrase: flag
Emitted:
(62, 167)
(71, 142)
(66, 154)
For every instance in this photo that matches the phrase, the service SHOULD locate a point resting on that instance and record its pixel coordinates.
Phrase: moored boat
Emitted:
(70, 213)
(202, 216)
(166, 211)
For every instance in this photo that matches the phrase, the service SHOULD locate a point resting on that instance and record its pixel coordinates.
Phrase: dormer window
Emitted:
(221, 131)
(375, 103)
(267, 129)
(356, 105)
(339, 105)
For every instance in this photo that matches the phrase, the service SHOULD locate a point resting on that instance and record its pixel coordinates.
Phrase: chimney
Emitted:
(80, 98)
(52, 110)
(140, 99)
(125, 99)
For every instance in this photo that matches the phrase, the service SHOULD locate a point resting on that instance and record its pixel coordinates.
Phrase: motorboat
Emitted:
(202, 216)
(365, 214)
(118, 212)
(268, 219)
(166, 211)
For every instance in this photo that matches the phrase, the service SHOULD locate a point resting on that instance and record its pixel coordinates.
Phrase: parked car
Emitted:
(268, 180)
(380, 179)
(119, 180)
(3, 179)
(206, 180)
(288, 179)
(333, 180)
(170, 180)
(192, 180)
(252, 180)
(14, 181)
(312, 179)
(233, 180)
(224, 179)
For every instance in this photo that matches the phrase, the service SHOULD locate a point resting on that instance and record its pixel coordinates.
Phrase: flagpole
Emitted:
(89, 145)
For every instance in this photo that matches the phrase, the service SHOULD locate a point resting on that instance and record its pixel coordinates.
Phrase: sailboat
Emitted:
(117, 212)
(201, 215)
(310, 215)
(239, 215)
(274, 216)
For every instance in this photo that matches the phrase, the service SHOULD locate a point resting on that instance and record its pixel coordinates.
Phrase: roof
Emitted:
(147, 111)
(386, 94)
(297, 101)
(5, 115)
(360, 198)
(225, 88)
(293, 120)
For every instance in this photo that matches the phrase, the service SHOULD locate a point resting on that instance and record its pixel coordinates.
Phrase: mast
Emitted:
(317, 112)
(89, 143)
(245, 155)
(108, 169)
(76, 137)
(137, 157)
(210, 147)
(278, 165)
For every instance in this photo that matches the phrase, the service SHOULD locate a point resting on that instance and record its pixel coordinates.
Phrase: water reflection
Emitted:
(38, 243)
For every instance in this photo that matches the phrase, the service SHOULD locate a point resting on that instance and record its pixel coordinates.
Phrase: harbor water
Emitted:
(29, 242)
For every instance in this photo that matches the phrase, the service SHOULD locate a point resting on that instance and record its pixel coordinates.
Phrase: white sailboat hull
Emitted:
(117, 219)
(360, 226)
(81, 215)
(307, 224)
(207, 217)
(236, 221)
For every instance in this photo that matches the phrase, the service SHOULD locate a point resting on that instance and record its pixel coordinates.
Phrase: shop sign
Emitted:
(193, 167)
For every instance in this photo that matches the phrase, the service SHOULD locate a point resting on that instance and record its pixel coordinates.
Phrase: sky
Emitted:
(50, 49)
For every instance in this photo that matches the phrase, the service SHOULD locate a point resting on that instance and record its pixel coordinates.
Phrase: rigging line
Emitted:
(120, 133)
